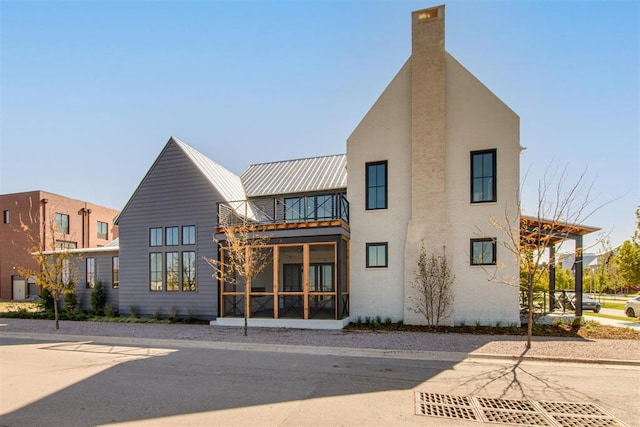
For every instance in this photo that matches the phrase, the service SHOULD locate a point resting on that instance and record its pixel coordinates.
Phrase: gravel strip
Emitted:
(570, 348)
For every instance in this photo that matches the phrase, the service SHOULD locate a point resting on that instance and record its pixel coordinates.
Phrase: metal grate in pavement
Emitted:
(514, 412)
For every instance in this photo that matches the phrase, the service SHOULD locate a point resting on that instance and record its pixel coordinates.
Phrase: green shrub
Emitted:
(359, 321)
(400, 323)
(172, 314)
(155, 314)
(47, 300)
(132, 312)
(71, 303)
(98, 299)
(191, 317)
(108, 310)
(388, 321)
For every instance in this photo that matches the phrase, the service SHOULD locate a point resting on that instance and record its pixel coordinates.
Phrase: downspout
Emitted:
(44, 223)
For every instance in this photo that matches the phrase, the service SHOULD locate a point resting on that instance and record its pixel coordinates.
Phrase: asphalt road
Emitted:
(58, 383)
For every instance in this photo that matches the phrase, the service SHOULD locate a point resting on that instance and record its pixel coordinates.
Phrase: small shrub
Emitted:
(172, 314)
(47, 300)
(359, 321)
(400, 323)
(378, 320)
(98, 299)
(155, 314)
(191, 317)
(71, 303)
(498, 324)
(388, 321)
(132, 312)
(108, 310)
(367, 320)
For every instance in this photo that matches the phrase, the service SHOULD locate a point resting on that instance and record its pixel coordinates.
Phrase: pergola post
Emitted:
(578, 275)
(552, 277)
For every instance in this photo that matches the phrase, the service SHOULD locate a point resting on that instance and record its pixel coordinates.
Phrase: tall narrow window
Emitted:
(62, 223)
(377, 255)
(115, 272)
(376, 185)
(188, 234)
(66, 271)
(483, 176)
(103, 228)
(5, 217)
(189, 271)
(155, 236)
(91, 272)
(173, 271)
(155, 271)
(171, 236)
(483, 251)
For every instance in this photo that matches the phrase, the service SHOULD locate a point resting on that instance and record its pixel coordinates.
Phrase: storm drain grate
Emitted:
(514, 412)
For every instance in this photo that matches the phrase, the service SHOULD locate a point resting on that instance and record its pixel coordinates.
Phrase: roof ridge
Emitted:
(295, 160)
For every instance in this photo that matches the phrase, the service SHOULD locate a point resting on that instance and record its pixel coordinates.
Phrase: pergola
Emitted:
(540, 234)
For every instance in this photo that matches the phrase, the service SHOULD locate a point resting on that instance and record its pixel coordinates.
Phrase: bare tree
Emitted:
(434, 284)
(243, 255)
(561, 206)
(55, 270)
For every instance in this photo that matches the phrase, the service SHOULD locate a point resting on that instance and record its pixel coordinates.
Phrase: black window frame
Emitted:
(60, 226)
(386, 254)
(156, 230)
(115, 272)
(493, 176)
(172, 242)
(186, 234)
(494, 251)
(152, 272)
(90, 276)
(189, 275)
(369, 186)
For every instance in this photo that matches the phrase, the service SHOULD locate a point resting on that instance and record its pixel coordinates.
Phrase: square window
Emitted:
(376, 183)
(171, 236)
(377, 255)
(483, 251)
(62, 223)
(483, 176)
(155, 236)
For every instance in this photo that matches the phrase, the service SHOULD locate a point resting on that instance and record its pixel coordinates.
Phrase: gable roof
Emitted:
(296, 176)
(221, 179)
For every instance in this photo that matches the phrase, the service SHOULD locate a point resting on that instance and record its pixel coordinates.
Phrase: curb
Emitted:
(425, 355)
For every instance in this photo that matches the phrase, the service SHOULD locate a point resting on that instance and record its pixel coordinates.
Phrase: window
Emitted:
(155, 271)
(171, 236)
(5, 217)
(376, 255)
(483, 251)
(91, 272)
(321, 278)
(102, 230)
(483, 176)
(62, 223)
(61, 244)
(173, 269)
(189, 235)
(376, 185)
(188, 271)
(294, 209)
(115, 272)
(155, 236)
(66, 271)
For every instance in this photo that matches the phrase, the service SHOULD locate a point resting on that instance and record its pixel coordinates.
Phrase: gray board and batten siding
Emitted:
(103, 273)
(175, 192)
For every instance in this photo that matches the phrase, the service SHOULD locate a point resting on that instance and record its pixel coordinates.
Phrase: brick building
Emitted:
(78, 224)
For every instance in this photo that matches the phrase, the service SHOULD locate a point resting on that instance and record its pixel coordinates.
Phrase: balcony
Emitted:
(287, 212)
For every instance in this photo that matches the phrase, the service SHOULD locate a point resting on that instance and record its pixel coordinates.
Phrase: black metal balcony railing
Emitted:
(300, 209)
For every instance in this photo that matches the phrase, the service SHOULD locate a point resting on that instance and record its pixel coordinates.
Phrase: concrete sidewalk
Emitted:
(398, 344)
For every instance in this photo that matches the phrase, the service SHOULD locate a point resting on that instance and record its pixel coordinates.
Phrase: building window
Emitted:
(173, 271)
(115, 272)
(376, 185)
(171, 236)
(155, 271)
(483, 176)
(376, 255)
(155, 236)
(66, 271)
(62, 223)
(188, 271)
(5, 217)
(483, 251)
(61, 244)
(188, 234)
(294, 209)
(103, 230)
(91, 272)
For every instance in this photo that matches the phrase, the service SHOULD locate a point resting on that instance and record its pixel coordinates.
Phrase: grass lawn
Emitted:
(613, 305)
(622, 318)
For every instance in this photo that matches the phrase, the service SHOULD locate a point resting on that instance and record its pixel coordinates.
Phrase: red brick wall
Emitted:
(29, 209)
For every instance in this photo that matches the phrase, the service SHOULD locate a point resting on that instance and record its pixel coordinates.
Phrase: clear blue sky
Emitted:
(91, 91)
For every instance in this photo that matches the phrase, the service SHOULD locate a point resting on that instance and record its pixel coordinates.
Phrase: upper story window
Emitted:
(483, 251)
(483, 176)
(103, 230)
(188, 234)
(171, 236)
(376, 182)
(5, 217)
(155, 236)
(62, 223)
(377, 255)
(61, 244)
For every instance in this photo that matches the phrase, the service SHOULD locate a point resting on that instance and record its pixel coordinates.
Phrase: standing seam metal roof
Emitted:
(296, 176)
